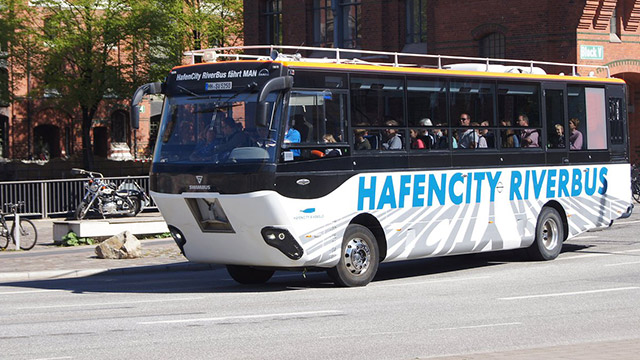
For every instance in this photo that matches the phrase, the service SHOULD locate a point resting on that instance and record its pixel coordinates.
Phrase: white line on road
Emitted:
(570, 293)
(431, 281)
(27, 291)
(596, 255)
(56, 358)
(625, 263)
(476, 326)
(247, 317)
(103, 304)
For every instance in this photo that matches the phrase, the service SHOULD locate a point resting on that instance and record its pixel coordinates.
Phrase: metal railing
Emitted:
(45, 198)
(337, 55)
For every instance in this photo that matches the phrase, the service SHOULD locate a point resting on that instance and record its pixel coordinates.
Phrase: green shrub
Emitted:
(72, 239)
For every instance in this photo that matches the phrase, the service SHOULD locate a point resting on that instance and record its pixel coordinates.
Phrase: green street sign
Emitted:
(591, 52)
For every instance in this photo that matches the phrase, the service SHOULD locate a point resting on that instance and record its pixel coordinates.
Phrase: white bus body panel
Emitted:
(422, 213)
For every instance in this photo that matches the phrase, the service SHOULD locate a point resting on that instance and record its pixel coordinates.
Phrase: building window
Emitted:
(337, 24)
(323, 23)
(493, 46)
(273, 16)
(416, 21)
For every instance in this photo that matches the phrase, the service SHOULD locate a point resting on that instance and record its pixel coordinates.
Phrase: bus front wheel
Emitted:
(249, 275)
(359, 258)
(549, 235)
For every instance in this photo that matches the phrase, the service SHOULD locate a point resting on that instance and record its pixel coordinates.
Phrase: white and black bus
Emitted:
(284, 162)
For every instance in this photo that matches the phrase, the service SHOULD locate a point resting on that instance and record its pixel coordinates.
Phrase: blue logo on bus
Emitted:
(308, 211)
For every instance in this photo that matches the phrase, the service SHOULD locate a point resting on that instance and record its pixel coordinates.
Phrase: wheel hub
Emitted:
(357, 256)
(550, 234)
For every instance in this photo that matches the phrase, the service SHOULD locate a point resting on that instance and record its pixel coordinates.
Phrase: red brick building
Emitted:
(596, 32)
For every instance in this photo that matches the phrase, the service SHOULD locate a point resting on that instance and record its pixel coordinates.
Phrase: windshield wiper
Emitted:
(184, 89)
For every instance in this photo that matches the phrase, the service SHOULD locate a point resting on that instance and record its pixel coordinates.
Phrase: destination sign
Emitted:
(202, 78)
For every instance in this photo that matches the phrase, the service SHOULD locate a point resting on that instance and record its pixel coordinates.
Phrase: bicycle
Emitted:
(28, 232)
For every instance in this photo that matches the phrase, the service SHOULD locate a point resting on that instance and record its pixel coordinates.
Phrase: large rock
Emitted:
(122, 246)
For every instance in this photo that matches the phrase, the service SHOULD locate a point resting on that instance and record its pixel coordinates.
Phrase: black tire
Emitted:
(359, 258)
(636, 191)
(4, 238)
(136, 207)
(81, 211)
(549, 236)
(28, 234)
(249, 275)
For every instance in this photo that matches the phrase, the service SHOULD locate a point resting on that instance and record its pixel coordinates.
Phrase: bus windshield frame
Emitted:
(217, 129)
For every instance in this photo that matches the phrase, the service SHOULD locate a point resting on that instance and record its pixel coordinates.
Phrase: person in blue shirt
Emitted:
(293, 136)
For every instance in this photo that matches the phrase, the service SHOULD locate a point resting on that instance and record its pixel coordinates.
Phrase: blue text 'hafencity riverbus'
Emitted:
(331, 162)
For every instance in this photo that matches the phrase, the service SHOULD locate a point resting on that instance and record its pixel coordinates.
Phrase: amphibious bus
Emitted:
(341, 160)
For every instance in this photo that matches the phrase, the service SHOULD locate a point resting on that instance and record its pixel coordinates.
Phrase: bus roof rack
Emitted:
(383, 58)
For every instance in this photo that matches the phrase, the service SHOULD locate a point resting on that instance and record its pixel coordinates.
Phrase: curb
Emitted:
(68, 274)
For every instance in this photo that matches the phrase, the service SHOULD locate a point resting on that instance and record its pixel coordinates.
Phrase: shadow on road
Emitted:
(156, 279)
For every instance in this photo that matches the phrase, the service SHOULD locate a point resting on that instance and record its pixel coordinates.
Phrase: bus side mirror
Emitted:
(275, 84)
(146, 89)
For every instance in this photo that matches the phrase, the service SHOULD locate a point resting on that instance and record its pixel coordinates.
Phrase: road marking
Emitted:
(477, 326)
(56, 358)
(102, 304)
(596, 255)
(432, 281)
(248, 317)
(626, 222)
(384, 333)
(569, 293)
(626, 263)
(27, 292)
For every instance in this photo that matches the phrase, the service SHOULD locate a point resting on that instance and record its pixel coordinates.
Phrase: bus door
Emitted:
(617, 119)
(555, 118)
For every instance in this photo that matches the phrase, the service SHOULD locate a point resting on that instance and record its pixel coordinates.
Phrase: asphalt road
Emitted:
(465, 305)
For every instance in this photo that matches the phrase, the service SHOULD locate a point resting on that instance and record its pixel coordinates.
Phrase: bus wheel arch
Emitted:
(371, 222)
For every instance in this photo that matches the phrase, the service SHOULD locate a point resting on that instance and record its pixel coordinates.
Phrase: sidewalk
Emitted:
(48, 261)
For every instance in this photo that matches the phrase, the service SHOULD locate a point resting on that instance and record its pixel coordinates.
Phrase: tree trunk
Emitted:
(87, 149)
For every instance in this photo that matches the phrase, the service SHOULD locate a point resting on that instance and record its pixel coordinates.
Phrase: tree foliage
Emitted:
(81, 52)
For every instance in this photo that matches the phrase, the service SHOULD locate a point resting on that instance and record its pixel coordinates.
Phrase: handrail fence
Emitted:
(47, 198)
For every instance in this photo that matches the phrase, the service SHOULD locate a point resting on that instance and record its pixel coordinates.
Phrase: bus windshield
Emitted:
(215, 129)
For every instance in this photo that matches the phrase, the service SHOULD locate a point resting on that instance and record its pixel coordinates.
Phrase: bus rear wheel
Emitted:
(359, 258)
(549, 235)
(249, 275)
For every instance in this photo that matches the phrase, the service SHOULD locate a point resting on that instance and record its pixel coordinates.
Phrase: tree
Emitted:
(85, 51)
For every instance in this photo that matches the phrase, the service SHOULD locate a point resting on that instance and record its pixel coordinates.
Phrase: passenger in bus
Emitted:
(441, 140)
(361, 141)
(528, 137)
(329, 139)
(424, 135)
(486, 138)
(416, 143)
(509, 137)
(394, 141)
(559, 141)
(233, 137)
(205, 149)
(575, 136)
(469, 137)
(292, 136)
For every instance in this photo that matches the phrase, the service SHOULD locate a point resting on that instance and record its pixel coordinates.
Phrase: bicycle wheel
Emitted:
(5, 238)
(28, 234)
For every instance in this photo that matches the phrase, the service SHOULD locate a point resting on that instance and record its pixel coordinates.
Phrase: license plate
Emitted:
(223, 85)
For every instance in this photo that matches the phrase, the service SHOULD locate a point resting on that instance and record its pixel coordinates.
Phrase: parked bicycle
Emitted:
(635, 182)
(26, 228)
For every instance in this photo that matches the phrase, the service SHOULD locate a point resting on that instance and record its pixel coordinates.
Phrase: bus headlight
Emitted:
(282, 240)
